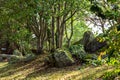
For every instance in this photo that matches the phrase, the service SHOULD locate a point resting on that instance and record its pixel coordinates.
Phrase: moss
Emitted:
(69, 56)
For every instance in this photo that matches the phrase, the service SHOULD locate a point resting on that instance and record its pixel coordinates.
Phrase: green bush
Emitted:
(114, 61)
(111, 75)
(96, 62)
(78, 52)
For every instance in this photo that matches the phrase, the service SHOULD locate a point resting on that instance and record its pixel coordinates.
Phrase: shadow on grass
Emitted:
(13, 69)
(69, 73)
(37, 69)
(49, 72)
(93, 73)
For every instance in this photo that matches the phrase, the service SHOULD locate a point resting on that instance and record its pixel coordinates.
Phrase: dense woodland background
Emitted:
(60, 33)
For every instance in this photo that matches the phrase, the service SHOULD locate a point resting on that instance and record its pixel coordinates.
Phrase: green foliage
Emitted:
(79, 28)
(17, 53)
(111, 75)
(112, 1)
(91, 56)
(113, 39)
(96, 62)
(96, 8)
(109, 10)
(114, 61)
(36, 14)
(113, 42)
(78, 51)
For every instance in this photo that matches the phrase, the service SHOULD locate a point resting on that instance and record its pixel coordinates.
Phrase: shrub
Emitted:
(111, 75)
(96, 62)
(78, 52)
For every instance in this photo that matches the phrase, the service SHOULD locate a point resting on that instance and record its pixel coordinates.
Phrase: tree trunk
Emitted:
(39, 46)
(53, 33)
(58, 29)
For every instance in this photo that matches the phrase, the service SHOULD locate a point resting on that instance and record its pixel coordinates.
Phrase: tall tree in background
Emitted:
(46, 19)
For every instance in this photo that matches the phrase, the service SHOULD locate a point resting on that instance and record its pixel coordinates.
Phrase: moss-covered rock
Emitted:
(60, 58)
(16, 59)
(63, 58)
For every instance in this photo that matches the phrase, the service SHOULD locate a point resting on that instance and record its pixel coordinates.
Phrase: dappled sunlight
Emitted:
(20, 70)
(2, 64)
(59, 39)
(88, 73)
(70, 73)
(35, 70)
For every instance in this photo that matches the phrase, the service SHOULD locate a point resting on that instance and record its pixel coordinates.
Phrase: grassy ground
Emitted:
(35, 70)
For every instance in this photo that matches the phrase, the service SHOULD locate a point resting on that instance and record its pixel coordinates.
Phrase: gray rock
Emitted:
(60, 58)
(88, 37)
(94, 46)
(63, 59)
(91, 44)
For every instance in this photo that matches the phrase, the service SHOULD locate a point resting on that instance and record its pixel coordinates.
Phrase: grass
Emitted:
(36, 70)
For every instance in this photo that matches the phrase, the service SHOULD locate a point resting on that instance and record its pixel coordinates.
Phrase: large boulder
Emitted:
(60, 58)
(94, 46)
(91, 44)
(88, 37)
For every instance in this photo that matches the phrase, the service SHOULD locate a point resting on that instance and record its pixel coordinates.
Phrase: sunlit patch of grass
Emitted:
(35, 70)
(70, 73)
(19, 70)
(3, 64)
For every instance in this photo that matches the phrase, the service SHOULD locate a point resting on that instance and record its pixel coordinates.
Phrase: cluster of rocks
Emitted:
(61, 58)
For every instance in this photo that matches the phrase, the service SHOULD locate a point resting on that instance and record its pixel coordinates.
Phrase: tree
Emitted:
(46, 19)
(109, 9)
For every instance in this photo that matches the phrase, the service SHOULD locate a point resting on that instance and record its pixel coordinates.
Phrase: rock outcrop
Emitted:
(91, 44)
(60, 58)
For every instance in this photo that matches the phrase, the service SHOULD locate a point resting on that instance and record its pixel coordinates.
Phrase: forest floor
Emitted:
(35, 70)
